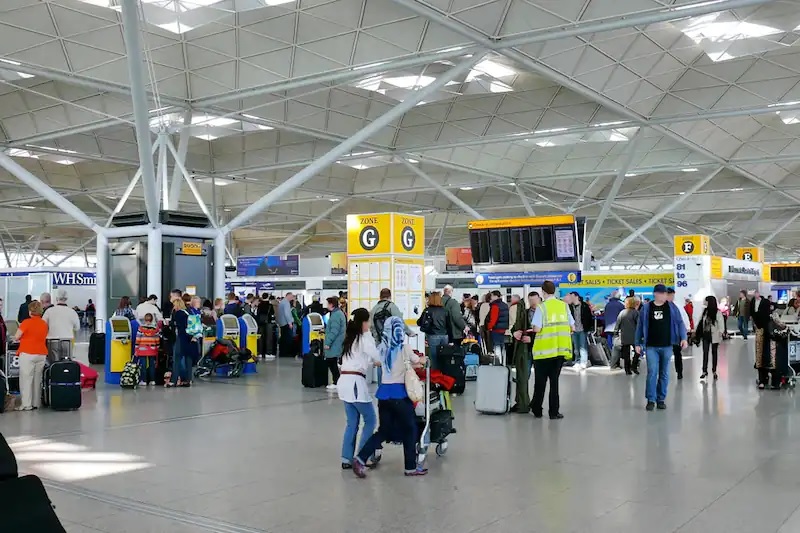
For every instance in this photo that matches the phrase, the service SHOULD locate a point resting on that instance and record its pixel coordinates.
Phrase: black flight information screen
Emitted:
(528, 240)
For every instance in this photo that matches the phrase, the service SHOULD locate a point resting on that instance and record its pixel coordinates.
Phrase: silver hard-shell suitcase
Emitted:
(493, 389)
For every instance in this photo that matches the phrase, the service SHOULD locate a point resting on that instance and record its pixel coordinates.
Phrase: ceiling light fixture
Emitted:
(466, 188)
(630, 174)
(206, 137)
(689, 169)
(737, 189)
(27, 207)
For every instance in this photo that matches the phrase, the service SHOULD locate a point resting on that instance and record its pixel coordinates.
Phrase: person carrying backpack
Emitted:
(382, 311)
(433, 323)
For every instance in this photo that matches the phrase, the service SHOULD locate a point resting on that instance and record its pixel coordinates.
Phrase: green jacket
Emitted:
(455, 319)
(521, 351)
(334, 334)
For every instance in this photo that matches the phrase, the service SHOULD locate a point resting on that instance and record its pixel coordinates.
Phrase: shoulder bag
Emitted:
(414, 388)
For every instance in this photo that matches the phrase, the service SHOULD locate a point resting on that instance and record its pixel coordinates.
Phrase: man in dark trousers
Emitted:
(553, 324)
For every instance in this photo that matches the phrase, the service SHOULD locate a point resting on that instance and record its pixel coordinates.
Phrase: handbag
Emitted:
(414, 388)
(617, 341)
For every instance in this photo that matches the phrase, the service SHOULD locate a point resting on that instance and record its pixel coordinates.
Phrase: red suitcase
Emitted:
(88, 377)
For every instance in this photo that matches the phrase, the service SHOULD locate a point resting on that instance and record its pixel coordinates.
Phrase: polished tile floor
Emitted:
(262, 454)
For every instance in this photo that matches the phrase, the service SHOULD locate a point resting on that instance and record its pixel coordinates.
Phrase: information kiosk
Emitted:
(119, 346)
(313, 330)
(248, 334)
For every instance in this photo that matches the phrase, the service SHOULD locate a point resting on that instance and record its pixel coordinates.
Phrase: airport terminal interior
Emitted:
(209, 209)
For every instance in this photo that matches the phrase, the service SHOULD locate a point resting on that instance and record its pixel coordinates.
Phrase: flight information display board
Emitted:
(527, 240)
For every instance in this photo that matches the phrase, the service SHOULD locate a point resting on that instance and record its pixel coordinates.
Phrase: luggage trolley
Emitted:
(434, 419)
(793, 341)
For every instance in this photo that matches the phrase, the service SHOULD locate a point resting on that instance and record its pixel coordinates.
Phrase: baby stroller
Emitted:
(222, 353)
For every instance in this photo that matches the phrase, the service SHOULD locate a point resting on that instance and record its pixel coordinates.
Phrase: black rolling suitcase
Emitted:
(451, 363)
(315, 368)
(25, 506)
(97, 345)
(61, 386)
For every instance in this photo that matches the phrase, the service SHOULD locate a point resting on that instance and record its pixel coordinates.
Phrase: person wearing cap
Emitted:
(62, 323)
(687, 324)
(149, 306)
(660, 327)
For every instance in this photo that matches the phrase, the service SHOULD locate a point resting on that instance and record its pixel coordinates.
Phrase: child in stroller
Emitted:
(222, 352)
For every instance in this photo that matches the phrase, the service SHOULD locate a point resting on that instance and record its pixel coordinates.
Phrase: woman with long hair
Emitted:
(625, 327)
(335, 332)
(359, 356)
(395, 410)
(124, 308)
(183, 349)
(433, 323)
(711, 325)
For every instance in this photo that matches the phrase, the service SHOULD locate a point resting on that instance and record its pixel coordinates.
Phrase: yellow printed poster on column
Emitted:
(408, 234)
(338, 263)
(766, 272)
(692, 245)
(751, 253)
(369, 234)
(716, 267)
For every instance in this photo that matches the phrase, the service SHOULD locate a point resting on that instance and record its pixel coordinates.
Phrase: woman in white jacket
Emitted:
(359, 356)
(711, 327)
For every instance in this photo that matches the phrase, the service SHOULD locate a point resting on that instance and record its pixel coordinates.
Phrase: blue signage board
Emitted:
(60, 278)
(517, 279)
(268, 265)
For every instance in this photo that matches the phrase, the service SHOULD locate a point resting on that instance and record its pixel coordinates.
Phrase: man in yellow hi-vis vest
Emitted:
(553, 324)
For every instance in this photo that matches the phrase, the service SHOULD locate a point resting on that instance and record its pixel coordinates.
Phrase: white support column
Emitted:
(660, 214)
(356, 139)
(47, 192)
(103, 278)
(447, 194)
(128, 190)
(190, 181)
(163, 182)
(756, 215)
(583, 194)
(306, 226)
(525, 201)
(154, 241)
(219, 266)
(133, 45)
(183, 148)
(615, 187)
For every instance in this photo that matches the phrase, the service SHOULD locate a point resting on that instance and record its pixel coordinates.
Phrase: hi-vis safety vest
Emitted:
(555, 338)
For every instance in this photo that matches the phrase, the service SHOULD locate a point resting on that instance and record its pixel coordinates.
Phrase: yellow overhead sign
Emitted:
(692, 245)
(521, 222)
(624, 280)
(192, 248)
(752, 253)
(369, 234)
(766, 272)
(408, 234)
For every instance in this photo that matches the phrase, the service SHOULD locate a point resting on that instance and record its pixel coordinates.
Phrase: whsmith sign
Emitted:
(60, 279)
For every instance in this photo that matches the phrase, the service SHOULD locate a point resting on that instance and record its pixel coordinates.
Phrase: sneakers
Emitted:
(347, 466)
(661, 406)
(332, 387)
(557, 416)
(142, 383)
(420, 471)
(152, 383)
(359, 469)
(716, 377)
(650, 406)
(703, 376)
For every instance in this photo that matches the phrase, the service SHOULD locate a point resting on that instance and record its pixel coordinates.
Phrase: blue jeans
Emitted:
(580, 347)
(181, 365)
(499, 344)
(148, 366)
(434, 342)
(657, 372)
(744, 325)
(355, 412)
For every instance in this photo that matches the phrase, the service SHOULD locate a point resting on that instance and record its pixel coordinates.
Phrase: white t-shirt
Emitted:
(62, 322)
(148, 307)
(352, 387)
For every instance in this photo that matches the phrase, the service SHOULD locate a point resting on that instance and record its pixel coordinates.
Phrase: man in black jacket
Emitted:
(584, 324)
(23, 309)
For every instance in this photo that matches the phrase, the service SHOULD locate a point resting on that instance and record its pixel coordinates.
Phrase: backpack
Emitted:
(379, 318)
(194, 326)
(129, 379)
(426, 322)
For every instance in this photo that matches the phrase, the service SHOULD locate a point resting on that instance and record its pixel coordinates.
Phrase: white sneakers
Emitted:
(332, 387)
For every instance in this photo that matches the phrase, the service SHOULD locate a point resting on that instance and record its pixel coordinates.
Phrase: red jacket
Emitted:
(689, 308)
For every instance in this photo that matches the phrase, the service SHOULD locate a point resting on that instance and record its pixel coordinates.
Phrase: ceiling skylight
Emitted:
(208, 127)
(52, 154)
(488, 76)
(723, 36)
(565, 139)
